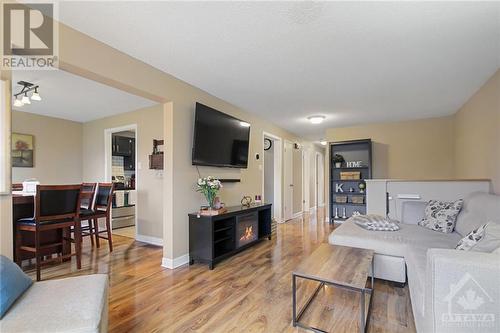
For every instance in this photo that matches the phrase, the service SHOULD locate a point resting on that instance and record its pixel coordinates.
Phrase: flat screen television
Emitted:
(219, 139)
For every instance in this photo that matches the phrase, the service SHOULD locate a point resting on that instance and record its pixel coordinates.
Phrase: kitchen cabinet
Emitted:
(123, 146)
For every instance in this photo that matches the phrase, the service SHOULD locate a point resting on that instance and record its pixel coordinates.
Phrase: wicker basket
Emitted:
(341, 199)
(358, 199)
(351, 175)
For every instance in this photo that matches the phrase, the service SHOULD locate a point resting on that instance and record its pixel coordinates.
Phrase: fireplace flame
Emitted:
(248, 234)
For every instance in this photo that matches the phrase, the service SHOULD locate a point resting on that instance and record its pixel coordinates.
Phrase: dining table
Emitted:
(23, 206)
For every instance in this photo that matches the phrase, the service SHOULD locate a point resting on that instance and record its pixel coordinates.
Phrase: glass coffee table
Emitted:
(342, 267)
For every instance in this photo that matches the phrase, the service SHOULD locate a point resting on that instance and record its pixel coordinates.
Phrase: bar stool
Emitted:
(57, 207)
(86, 206)
(101, 209)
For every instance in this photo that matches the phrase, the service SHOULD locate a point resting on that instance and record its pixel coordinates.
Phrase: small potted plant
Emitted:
(338, 160)
(209, 187)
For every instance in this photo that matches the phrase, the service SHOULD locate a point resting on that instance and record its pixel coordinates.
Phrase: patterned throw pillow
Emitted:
(375, 222)
(441, 216)
(471, 239)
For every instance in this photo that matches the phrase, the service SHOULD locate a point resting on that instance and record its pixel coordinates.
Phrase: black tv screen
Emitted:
(219, 139)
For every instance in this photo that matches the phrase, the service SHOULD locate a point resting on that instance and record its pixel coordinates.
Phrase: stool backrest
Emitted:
(55, 202)
(104, 196)
(87, 195)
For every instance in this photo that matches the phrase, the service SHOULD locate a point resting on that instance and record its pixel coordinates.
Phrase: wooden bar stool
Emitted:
(56, 207)
(101, 209)
(86, 207)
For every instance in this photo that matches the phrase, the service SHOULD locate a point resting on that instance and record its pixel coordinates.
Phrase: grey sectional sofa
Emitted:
(450, 290)
(76, 304)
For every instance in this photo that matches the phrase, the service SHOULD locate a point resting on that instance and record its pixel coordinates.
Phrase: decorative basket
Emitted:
(341, 199)
(358, 199)
(212, 212)
(351, 175)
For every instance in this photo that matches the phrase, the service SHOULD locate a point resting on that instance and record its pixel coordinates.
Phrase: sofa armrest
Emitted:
(462, 291)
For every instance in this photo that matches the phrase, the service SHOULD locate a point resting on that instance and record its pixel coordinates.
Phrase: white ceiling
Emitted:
(72, 97)
(353, 62)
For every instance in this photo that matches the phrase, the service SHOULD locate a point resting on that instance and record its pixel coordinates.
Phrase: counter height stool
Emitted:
(101, 209)
(56, 207)
(86, 207)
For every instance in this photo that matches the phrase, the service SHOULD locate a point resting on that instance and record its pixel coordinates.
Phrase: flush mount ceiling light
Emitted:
(323, 142)
(244, 124)
(316, 119)
(27, 88)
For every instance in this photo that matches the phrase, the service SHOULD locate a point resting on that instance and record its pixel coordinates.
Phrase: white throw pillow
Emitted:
(471, 239)
(375, 222)
(441, 216)
(491, 239)
(486, 238)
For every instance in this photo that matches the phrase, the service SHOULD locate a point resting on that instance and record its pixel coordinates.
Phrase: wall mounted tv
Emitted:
(219, 139)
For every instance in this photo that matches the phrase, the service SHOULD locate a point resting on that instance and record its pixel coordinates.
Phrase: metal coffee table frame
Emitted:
(363, 323)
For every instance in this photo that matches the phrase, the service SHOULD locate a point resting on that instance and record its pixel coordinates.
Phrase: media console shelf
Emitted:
(215, 238)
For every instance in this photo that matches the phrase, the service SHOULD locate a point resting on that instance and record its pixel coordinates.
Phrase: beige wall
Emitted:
(58, 149)
(149, 184)
(477, 135)
(420, 149)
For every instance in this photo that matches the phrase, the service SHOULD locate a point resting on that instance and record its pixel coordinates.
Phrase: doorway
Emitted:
(120, 168)
(288, 179)
(272, 173)
(319, 193)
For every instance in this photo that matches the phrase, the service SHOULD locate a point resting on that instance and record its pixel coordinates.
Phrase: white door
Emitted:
(288, 170)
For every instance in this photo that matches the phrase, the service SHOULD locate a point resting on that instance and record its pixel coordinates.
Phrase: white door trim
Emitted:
(286, 186)
(278, 174)
(108, 132)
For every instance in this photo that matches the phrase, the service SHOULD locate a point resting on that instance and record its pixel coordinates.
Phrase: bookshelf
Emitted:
(346, 197)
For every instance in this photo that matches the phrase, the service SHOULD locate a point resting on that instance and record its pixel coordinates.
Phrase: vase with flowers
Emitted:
(209, 187)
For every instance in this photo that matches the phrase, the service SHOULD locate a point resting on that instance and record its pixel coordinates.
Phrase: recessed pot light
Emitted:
(244, 124)
(316, 119)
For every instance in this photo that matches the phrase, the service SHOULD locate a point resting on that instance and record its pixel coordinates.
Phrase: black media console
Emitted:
(214, 238)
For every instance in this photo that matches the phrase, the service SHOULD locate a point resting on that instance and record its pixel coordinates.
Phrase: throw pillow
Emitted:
(491, 239)
(441, 216)
(13, 283)
(375, 222)
(471, 239)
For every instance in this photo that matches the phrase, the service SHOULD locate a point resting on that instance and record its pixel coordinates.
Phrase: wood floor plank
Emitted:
(250, 292)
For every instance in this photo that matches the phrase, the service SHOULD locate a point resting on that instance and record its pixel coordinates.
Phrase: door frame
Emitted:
(278, 174)
(291, 175)
(108, 161)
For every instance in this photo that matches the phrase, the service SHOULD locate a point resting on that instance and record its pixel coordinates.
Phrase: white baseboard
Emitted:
(297, 215)
(176, 262)
(149, 239)
(321, 205)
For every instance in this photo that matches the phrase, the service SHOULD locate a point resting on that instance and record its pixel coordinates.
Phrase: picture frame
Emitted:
(23, 148)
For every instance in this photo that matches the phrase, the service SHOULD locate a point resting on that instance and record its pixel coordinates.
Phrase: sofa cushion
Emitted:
(13, 283)
(416, 263)
(392, 243)
(441, 216)
(478, 209)
(413, 211)
(75, 304)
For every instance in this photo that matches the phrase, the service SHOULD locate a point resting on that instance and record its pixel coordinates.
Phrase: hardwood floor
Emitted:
(250, 292)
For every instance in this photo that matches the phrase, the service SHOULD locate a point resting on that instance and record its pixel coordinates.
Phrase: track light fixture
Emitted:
(22, 97)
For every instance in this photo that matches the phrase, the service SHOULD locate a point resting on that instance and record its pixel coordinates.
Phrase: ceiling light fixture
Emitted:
(26, 99)
(36, 96)
(244, 124)
(323, 142)
(316, 119)
(27, 87)
(18, 103)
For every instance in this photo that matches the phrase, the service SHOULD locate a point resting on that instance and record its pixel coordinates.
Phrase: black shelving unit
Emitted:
(352, 151)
